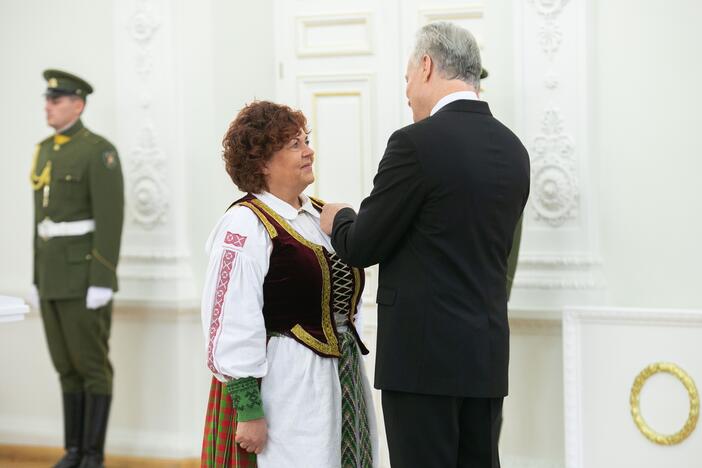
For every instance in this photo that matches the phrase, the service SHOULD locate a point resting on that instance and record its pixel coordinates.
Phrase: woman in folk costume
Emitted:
(278, 309)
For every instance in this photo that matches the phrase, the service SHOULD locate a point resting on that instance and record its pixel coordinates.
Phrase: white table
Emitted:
(12, 309)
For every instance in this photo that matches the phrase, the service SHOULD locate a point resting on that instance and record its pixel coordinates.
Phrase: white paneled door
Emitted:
(339, 62)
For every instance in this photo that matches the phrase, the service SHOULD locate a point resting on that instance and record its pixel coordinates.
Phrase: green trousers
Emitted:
(78, 344)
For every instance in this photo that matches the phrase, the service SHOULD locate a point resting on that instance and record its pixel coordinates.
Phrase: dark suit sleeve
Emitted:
(514, 256)
(387, 213)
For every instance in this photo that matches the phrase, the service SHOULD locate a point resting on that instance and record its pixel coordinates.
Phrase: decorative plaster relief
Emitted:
(149, 200)
(144, 22)
(549, 8)
(148, 203)
(554, 177)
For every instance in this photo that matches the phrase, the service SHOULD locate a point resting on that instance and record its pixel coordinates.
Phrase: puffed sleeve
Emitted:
(232, 299)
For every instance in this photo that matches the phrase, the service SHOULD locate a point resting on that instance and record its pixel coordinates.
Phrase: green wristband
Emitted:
(246, 398)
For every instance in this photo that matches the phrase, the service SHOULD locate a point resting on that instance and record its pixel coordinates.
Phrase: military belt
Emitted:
(48, 229)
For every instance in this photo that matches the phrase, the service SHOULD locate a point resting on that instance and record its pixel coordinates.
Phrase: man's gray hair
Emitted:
(453, 49)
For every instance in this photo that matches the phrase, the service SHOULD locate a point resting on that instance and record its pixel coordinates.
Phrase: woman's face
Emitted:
(291, 167)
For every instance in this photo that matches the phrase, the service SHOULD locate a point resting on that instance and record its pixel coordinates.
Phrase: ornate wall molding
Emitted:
(148, 190)
(549, 8)
(551, 38)
(153, 254)
(551, 261)
(554, 172)
(563, 284)
(633, 316)
(155, 260)
(555, 197)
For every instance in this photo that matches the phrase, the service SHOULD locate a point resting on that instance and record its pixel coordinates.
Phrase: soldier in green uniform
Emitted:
(78, 204)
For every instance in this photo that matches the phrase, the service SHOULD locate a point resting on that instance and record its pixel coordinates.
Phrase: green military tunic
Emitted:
(76, 175)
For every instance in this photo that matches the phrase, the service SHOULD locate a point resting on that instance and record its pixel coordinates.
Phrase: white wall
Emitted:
(647, 118)
(239, 59)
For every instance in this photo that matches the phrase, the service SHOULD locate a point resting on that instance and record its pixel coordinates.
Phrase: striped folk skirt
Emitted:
(220, 450)
(218, 446)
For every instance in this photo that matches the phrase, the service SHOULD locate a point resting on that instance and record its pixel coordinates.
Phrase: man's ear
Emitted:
(80, 105)
(427, 67)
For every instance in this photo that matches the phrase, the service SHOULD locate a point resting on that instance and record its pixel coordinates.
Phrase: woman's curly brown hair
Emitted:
(258, 131)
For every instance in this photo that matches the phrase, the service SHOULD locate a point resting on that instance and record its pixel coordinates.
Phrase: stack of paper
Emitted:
(12, 309)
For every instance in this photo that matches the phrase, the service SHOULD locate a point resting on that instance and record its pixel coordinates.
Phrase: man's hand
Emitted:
(97, 297)
(330, 210)
(252, 435)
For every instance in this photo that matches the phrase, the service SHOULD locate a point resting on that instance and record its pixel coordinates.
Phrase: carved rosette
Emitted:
(149, 193)
(553, 173)
(148, 189)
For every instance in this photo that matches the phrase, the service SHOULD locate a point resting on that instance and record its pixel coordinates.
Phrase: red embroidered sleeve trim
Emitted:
(237, 240)
(227, 263)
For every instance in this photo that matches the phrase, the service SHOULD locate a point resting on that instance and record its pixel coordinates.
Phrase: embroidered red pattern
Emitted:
(228, 258)
(237, 240)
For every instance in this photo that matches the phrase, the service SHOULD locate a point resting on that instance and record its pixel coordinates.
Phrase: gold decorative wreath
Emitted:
(692, 417)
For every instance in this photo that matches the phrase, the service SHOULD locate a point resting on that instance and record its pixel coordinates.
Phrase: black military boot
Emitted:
(73, 404)
(97, 409)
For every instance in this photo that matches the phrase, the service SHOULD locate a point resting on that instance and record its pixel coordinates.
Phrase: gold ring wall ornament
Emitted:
(692, 417)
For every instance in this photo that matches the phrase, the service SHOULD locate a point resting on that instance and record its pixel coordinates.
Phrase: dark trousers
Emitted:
(432, 431)
(78, 344)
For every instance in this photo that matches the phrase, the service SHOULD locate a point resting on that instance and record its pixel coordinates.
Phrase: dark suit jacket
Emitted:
(440, 220)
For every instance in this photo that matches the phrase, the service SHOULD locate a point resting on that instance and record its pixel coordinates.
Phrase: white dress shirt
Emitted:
(300, 390)
(449, 98)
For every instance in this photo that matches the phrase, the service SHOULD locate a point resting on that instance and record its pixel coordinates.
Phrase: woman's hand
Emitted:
(252, 435)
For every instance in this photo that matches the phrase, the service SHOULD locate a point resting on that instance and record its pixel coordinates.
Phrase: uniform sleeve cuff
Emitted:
(246, 398)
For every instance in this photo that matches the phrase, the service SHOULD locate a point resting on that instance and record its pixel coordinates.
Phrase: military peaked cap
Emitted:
(61, 83)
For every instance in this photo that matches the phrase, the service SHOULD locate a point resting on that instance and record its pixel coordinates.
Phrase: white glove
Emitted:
(97, 297)
(33, 299)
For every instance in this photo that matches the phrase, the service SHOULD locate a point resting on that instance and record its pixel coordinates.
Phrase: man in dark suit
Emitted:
(446, 200)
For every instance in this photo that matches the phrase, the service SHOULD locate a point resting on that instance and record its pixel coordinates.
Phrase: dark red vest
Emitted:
(299, 286)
